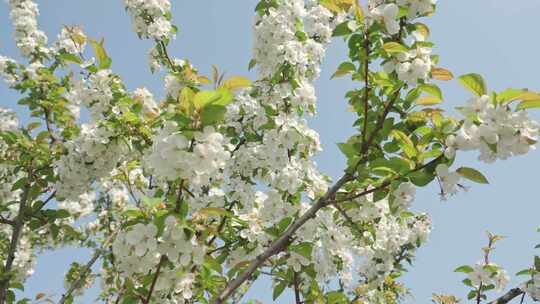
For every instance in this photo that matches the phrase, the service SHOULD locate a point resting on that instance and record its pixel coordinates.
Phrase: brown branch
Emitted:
(154, 280)
(509, 296)
(296, 289)
(49, 124)
(17, 229)
(82, 276)
(283, 241)
(178, 204)
(385, 184)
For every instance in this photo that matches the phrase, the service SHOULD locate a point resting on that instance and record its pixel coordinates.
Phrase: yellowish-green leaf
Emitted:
(344, 69)
(220, 97)
(101, 54)
(186, 100)
(428, 101)
(214, 211)
(441, 74)
(337, 6)
(236, 82)
(474, 83)
(432, 90)
(473, 175)
(358, 12)
(394, 47)
(528, 104)
(422, 29)
(203, 80)
(405, 142)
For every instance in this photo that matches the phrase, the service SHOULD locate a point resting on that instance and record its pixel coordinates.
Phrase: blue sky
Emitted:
(495, 38)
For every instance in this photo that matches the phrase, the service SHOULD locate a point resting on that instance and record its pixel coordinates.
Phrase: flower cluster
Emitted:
(140, 249)
(411, 66)
(449, 181)
(386, 11)
(150, 19)
(71, 40)
(95, 93)
(532, 288)
(488, 274)
(7, 70)
(146, 99)
(276, 38)
(199, 161)
(496, 132)
(90, 156)
(29, 39)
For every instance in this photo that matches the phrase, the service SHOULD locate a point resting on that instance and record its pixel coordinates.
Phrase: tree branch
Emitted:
(509, 296)
(296, 289)
(280, 243)
(154, 280)
(17, 228)
(82, 276)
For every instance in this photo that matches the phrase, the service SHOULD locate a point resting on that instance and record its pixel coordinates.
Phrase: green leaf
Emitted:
(343, 69)
(252, 64)
(211, 263)
(525, 272)
(303, 249)
(528, 104)
(70, 58)
(464, 269)
(473, 175)
(215, 211)
(336, 297)
(278, 290)
(537, 263)
(347, 149)
(428, 101)
(432, 90)
(236, 82)
(405, 142)
(212, 114)
(101, 54)
(394, 47)
(151, 202)
(510, 95)
(220, 97)
(474, 83)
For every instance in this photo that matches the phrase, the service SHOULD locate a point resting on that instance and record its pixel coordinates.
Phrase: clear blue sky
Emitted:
(495, 38)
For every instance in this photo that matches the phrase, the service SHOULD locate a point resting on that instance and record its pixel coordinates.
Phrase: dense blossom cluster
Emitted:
(411, 66)
(199, 160)
(96, 94)
(29, 39)
(140, 248)
(91, 155)
(277, 43)
(496, 132)
(150, 18)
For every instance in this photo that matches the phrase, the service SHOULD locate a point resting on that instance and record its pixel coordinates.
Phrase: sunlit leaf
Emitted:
(473, 175)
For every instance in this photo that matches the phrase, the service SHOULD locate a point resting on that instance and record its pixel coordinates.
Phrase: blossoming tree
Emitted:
(193, 198)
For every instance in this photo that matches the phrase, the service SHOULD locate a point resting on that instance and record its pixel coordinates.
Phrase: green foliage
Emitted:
(474, 83)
